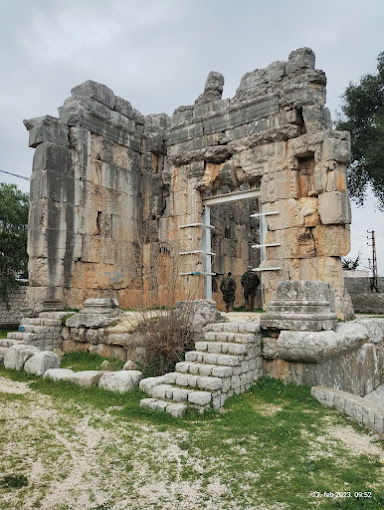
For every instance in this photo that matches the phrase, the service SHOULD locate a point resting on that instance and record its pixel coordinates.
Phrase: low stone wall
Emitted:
(105, 342)
(101, 328)
(350, 359)
(365, 301)
(358, 285)
(368, 303)
(17, 308)
(359, 409)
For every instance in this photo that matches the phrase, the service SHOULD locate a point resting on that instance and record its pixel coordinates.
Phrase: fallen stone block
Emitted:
(58, 374)
(109, 365)
(40, 362)
(129, 365)
(17, 355)
(86, 378)
(121, 381)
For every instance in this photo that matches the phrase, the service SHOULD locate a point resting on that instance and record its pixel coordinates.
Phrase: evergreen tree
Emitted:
(14, 207)
(363, 117)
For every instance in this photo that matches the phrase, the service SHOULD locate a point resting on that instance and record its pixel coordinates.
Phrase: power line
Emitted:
(16, 175)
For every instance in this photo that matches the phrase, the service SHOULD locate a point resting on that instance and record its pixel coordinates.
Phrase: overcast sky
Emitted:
(157, 54)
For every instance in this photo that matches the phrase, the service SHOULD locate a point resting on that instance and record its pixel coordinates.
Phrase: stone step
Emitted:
(203, 369)
(224, 336)
(45, 330)
(7, 342)
(149, 382)
(222, 347)
(53, 315)
(207, 383)
(233, 327)
(169, 392)
(155, 404)
(211, 358)
(38, 321)
(23, 337)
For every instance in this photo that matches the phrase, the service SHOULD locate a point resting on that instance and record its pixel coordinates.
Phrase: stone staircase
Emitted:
(226, 362)
(43, 331)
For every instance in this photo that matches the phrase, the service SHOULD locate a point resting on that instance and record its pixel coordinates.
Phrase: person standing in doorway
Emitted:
(228, 288)
(250, 281)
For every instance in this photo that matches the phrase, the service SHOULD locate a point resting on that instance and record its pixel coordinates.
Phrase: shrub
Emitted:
(169, 335)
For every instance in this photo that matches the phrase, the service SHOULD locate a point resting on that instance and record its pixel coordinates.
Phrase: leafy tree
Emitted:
(363, 117)
(14, 207)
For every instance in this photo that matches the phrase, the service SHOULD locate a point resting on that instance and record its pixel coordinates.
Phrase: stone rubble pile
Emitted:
(18, 356)
(225, 363)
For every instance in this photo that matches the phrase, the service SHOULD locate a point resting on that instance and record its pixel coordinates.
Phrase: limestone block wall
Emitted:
(276, 134)
(361, 285)
(348, 359)
(112, 188)
(17, 308)
(101, 341)
(87, 198)
(363, 299)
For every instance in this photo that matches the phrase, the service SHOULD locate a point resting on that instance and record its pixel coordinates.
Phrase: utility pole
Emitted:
(373, 280)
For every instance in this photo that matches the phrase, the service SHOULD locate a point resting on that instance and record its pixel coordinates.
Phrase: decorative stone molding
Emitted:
(301, 306)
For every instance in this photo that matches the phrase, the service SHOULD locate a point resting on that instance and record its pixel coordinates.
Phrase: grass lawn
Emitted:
(78, 361)
(272, 448)
(4, 332)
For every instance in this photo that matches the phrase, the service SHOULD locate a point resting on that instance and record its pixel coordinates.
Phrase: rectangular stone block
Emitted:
(334, 208)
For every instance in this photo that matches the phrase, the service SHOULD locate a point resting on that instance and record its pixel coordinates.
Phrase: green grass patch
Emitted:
(66, 317)
(13, 481)
(78, 361)
(270, 446)
(4, 333)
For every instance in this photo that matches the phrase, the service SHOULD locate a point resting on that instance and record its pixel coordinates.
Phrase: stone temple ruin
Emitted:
(150, 209)
(122, 202)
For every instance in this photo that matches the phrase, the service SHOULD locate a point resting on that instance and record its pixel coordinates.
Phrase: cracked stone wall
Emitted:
(111, 188)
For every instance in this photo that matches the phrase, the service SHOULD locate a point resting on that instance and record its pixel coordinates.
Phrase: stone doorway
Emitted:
(232, 241)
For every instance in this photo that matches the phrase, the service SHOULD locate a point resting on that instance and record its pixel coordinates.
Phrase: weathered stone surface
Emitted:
(17, 355)
(130, 365)
(204, 311)
(109, 366)
(301, 306)
(149, 382)
(346, 359)
(97, 313)
(40, 362)
(46, 129)
(108, 351)
(121, 381)
(106, 211)
(58, 374)
(313, 347)
(368, 303)
(86, 378)
(374, 327)
(334, 208)
(3, 350)
(363, 411)
(96, 91)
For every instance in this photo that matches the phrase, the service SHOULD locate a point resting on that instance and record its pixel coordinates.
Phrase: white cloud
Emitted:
(157, 54)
